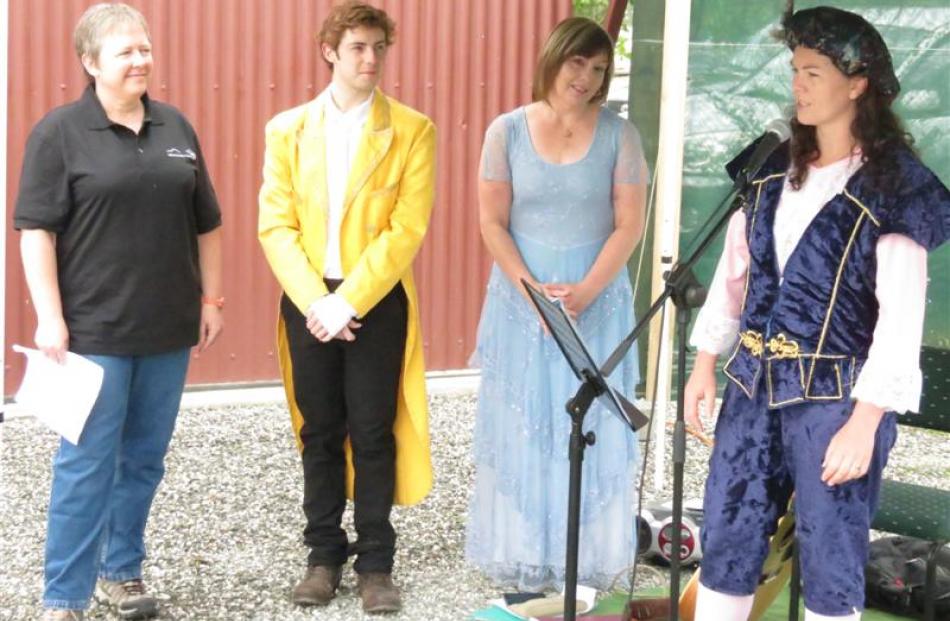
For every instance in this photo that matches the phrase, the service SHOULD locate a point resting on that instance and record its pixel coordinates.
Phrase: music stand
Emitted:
(593, 386)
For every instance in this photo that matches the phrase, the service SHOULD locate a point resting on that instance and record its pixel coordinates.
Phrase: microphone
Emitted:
(776, 132)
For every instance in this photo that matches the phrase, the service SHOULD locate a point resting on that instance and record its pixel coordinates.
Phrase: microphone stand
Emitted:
(687, 293)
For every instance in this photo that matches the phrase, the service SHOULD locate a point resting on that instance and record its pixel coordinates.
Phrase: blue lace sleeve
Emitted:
(631, 165)
(495, 165)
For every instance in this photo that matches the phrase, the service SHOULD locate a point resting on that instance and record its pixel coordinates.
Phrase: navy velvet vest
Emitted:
(809, 330)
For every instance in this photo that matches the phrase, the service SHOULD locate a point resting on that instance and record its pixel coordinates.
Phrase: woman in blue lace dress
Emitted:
(561, 193)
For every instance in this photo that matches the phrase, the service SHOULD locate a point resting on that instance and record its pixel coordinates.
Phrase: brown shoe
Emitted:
(318, 586)
(378, 593)
(129, 598)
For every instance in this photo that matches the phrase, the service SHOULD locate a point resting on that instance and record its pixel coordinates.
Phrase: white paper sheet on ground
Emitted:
(59, 395)
(586, 597)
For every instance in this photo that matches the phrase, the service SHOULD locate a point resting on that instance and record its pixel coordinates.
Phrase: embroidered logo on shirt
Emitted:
(187, 154)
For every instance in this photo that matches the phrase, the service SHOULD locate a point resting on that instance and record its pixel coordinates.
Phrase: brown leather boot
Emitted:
(378, 592)
(318, 586)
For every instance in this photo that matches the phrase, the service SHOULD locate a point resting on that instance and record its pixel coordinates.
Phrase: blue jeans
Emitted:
(103, 487)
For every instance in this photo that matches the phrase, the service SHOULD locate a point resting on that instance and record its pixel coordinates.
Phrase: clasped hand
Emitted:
(330, 317)
(318, 330)
(574, 297)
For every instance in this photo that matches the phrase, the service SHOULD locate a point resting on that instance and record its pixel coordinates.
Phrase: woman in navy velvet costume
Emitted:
(818, 300)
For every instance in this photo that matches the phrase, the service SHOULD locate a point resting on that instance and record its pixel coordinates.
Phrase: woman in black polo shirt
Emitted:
(121, 252)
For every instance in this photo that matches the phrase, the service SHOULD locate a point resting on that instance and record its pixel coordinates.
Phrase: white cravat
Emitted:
(343, 131)
(797, 208)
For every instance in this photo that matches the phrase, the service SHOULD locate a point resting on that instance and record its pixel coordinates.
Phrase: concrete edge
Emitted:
(438, 383)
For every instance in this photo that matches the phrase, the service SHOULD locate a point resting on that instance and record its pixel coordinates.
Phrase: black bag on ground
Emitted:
(896, 576)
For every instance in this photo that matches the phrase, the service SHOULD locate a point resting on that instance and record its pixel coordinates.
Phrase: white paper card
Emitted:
(59, 395)
(586, 596)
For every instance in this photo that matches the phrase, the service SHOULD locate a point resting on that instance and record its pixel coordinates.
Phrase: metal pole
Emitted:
(679, 462)
(669, 177)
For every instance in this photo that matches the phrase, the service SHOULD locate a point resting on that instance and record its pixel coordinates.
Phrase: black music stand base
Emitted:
(577, 408)
(593, 386)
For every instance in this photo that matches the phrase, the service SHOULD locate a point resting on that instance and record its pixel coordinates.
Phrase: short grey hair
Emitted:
(101, 19)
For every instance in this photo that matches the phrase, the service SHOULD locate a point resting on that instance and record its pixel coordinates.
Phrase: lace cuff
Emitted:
(714, 333)
(891, 377)
(333, 311)
(898, 392)
(717, 324)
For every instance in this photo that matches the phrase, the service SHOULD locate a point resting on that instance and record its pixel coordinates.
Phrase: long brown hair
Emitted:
(877, 130)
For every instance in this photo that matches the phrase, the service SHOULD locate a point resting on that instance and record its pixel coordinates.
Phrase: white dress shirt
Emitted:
(343, 131)
(891, 377)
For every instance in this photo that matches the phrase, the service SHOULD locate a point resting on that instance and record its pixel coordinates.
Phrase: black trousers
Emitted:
(349, 388)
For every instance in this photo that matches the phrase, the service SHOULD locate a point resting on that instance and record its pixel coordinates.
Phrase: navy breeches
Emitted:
(760, 458)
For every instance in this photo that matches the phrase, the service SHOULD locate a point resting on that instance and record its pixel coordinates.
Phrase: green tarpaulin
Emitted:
(739, 80)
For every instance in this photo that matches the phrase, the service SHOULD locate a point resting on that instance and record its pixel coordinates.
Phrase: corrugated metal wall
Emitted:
(230, 65)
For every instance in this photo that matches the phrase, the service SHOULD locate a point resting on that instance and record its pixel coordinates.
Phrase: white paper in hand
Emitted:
(59, 395)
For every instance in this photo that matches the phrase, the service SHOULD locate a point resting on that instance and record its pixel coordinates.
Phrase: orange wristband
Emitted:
(219, 302)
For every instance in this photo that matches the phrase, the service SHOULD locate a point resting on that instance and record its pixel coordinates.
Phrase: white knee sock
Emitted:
(714, 606)
(814, 616)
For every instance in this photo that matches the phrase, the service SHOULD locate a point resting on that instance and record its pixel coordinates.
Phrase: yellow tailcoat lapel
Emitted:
(374, 145)
(312, 161)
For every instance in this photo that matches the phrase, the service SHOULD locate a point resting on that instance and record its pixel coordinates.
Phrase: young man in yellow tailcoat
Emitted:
(344, 206)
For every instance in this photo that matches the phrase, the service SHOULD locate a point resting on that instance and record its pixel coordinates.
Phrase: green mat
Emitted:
(778, 611)
(613, 604)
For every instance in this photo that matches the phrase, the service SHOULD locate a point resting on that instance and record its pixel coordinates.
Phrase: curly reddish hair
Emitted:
(353, 14)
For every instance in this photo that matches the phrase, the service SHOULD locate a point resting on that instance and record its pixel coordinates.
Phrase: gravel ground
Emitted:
(224, 536)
